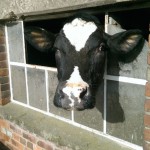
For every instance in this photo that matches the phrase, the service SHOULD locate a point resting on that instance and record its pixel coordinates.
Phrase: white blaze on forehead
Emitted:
(76, 77)
(78, 32)
(74, 86)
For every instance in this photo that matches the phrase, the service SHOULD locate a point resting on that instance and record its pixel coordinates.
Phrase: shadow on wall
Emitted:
(3, 147)
(114, 110)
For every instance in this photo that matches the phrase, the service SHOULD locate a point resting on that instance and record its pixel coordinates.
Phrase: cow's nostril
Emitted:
(61, 93)
(81, 89)
(83, 92)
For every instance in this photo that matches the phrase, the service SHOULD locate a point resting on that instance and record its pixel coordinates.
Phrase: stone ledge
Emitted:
(55, 130)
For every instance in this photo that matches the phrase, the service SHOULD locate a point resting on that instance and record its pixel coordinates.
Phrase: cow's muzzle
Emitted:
(74, 96)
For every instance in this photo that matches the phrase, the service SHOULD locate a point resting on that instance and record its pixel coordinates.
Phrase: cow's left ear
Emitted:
(39, 38)
(126, 45)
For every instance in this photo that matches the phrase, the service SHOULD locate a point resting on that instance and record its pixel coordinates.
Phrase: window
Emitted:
(34, 86)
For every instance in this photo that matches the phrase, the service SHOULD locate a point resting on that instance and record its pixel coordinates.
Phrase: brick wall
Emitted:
(147, 105)
(15, 138)
(4, 75)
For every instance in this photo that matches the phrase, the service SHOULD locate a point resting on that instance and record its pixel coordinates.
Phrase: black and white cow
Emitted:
(80, 53)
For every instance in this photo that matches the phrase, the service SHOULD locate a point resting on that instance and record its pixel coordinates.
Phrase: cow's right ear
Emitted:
(39, 38)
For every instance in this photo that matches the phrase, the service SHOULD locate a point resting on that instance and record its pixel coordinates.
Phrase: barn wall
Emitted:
(34, 87)
(26, 6)
(89, 118)
(15, 138)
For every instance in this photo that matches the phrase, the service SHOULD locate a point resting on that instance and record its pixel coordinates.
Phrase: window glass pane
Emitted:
(93, 117)
(37, 88)
(52, 82)
(125, 110)
(18, 84)
(15, 41)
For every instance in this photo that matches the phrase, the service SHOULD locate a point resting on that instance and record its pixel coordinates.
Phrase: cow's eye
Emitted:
(57, 51)
(58, 54)
(102, 47)
(58, 58)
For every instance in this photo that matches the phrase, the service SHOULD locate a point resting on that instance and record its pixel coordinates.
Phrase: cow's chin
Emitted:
(87, 102)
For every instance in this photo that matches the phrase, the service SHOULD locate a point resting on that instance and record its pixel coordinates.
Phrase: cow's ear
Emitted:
(39, 38)
(126, 45)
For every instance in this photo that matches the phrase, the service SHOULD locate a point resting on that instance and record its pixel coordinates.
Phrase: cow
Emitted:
(80, 52)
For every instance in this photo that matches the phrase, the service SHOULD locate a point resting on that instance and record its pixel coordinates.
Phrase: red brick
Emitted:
(146, 146)
(4, 80)
(45, 145)
(14, 142)
(1, 137)
(5, 94)
(15, 129)
(26, 148)
(4, 123)
(3, 56)
(2, 48)
(23, 141)
(4, 64)
(1, 122)
(4, 72)
(147, 105)
(17, 144)
(15, 148)
(38, 148)
(9, 145)
(147, 135)
(147, 120)
(16, 137)
(147, 90)
(2, 33)
(29, 137)
(30, 145)
(5, 87)
(2, 39)
(4, 101)
(4, 137)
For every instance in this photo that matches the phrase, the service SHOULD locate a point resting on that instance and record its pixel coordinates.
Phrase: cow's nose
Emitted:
(75, 91)
(83, 92)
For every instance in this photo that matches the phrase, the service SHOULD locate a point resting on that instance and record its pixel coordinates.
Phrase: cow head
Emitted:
(80, 51)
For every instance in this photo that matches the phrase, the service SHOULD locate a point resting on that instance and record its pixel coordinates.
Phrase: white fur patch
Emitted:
(74, 86)
(78, 32)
